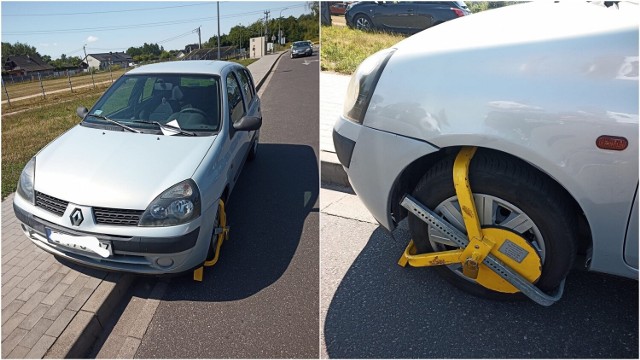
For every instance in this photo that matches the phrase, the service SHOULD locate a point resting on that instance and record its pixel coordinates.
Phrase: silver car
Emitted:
(137, 185)
(552, 107)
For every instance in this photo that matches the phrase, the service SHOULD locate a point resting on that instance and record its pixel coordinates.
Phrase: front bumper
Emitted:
(176, 252)
(374, 160)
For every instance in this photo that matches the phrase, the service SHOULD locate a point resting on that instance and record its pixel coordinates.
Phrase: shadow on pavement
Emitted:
(381, 310)
(266, 214)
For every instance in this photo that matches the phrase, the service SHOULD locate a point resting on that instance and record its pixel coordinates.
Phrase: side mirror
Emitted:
(248, 123)
(82, 111)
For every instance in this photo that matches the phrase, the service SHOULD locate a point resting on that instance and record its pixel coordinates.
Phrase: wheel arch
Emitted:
(411, 175)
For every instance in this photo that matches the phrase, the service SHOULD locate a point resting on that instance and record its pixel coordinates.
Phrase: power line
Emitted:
(135, 26)
(107, 12)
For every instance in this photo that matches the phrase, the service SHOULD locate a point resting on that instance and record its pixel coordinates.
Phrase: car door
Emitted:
(239, 140)
(398, 17)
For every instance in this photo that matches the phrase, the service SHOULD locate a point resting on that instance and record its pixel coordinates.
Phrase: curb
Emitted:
(85, 327)
(331, 171)
(266, 75)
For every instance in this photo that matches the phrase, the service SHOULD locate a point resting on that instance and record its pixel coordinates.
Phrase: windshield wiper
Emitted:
(166, 126)
(115, 122)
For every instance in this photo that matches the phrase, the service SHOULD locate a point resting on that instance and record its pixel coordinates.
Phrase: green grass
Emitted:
(25, 133)
(343, 49)
(245, 62)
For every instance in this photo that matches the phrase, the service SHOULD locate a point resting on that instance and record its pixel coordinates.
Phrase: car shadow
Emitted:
(381, 310)
(266, 212)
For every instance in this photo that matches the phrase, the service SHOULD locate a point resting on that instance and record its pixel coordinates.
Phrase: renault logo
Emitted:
(76, 217)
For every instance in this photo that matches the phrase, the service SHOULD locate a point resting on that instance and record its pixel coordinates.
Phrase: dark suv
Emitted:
(408, 17)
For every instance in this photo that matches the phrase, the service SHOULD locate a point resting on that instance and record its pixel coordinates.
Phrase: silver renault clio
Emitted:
(136, 186)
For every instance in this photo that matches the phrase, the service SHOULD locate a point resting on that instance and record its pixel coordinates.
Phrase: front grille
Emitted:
(120, 217)
(51, 204)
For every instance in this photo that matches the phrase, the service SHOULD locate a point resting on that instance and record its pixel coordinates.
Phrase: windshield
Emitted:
(300, 44)
(190, 102)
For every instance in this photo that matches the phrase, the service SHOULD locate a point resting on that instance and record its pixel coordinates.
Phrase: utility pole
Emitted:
(279, 31)
(84, 47)
(218, 10)
(266, 31)
(199, 39)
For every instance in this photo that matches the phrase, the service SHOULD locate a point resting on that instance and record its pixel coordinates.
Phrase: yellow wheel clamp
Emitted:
(497, 259)
(223, 234)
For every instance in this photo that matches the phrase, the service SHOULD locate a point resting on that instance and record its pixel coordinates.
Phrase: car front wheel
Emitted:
(508, 194)
(362, 22)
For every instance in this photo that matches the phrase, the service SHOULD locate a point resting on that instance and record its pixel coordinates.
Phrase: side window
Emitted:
(119, 99)
(147, 91)
(236, 106)
(246, 86)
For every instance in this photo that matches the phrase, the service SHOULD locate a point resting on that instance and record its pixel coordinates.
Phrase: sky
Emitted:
(56, 28)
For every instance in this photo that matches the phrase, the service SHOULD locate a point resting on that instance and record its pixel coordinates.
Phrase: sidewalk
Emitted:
(333, 88)
(50, 309)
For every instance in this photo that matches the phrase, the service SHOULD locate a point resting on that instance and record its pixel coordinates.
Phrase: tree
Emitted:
(313, 6)
(17, 49)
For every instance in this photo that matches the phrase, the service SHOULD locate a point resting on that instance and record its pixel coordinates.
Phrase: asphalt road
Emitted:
(373, 308)
(261, 299)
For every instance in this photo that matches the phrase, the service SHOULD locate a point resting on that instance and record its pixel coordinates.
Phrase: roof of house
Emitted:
(26, 62)
(113, 56)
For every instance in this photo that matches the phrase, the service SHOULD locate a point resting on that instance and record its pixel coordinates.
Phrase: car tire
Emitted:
(362, 22)
(513, 188)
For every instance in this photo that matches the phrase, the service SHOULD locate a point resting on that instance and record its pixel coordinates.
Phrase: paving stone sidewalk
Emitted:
(45, 304)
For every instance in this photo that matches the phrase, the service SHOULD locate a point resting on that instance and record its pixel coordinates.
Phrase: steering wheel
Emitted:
(193, 110)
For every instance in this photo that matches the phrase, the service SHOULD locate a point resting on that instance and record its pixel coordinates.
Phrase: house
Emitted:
(26, 65)
(189, 48)
(104, 60)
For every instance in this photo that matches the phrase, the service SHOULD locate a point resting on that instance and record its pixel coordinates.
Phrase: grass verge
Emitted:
(343, 49)
(18, 90)
(245, 62)
(26, 132)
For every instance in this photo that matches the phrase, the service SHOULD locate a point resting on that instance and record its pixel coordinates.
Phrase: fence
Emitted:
(40, 86)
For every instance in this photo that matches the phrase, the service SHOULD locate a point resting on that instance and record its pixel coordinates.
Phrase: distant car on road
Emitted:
(338, 8)
(301, 48)
(137, 185)
(552, 111)
(407, 17)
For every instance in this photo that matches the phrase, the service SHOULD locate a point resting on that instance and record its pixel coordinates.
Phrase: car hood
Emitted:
(519, 24)
(114, 169)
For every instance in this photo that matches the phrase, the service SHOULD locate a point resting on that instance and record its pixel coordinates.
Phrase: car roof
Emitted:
(207, 67)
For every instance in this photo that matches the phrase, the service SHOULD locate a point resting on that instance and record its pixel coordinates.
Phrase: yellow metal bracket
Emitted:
(479, 247)
(223, 234)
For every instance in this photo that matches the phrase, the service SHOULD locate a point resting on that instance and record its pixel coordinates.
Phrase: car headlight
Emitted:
(362, 84)
(177, 205)
(27, 180)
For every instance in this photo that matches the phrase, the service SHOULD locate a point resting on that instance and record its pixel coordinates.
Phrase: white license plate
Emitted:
(81, 243)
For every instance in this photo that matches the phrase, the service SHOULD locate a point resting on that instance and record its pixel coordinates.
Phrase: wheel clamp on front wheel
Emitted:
(222, 231)
(497, 259)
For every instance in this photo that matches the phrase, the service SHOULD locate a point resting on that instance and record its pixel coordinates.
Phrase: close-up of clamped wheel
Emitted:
(496, 229)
